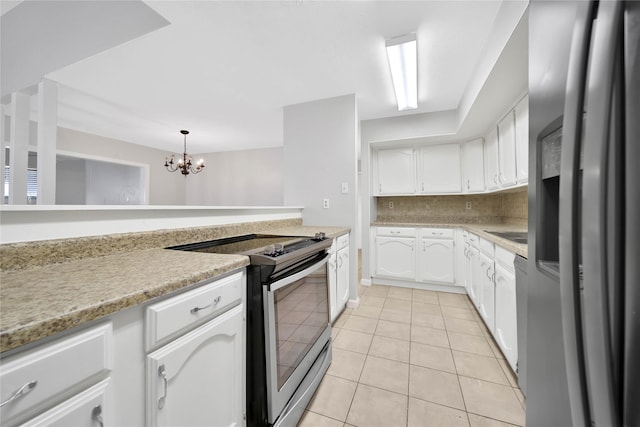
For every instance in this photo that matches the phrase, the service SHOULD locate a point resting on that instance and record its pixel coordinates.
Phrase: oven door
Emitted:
(296, 310)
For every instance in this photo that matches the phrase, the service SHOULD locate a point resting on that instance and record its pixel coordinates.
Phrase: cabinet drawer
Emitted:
(474, 240)
(165, 319)
(396, 231)
(342, 241)
(437, 233)
(486, 246)
(53, 370)
(505, 258)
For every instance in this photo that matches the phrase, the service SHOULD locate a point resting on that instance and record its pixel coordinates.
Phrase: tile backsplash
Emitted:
(497, 208)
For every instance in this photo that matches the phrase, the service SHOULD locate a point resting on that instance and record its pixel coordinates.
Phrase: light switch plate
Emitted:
(345, 187)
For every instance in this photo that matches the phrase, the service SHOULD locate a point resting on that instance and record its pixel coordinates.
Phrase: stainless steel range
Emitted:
(288, 325)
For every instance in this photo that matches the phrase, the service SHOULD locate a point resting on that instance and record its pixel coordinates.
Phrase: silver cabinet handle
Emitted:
(380, 188)
(96, 415)
(468, 184)
(423, 186)
(194, 310)
(163, 373)
(25, 389)
(495, 178)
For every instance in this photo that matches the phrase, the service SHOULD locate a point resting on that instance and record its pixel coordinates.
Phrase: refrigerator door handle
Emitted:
(597, 334)
(569, 211)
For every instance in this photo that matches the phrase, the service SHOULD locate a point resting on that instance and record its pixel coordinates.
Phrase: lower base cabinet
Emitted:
(487, 291)
(198, 379)
(437, 261)
(506, 332)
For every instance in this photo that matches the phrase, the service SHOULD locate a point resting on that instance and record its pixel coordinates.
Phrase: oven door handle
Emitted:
(299, 275)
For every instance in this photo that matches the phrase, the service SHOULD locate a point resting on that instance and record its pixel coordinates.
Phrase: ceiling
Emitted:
(224, 70)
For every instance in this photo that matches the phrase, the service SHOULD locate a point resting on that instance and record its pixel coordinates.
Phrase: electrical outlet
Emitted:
(468, 205)
(390, 205)
(325, 203)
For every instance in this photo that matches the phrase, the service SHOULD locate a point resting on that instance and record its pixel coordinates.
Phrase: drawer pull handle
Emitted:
(25, 389)
(96, 415)
(194, 310)
(163, 373)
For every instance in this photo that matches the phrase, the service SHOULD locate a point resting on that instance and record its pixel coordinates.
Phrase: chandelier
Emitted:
(185, 164)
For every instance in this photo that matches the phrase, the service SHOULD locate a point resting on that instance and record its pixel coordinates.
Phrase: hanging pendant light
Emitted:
(185, 164)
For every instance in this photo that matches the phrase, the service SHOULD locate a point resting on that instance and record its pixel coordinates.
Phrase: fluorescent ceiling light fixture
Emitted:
(403, 61)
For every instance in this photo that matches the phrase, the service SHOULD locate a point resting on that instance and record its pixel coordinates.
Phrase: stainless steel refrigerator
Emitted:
(583, 294)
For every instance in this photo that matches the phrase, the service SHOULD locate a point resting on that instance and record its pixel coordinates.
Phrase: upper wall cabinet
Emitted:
(491, 160)
(507, 150)
(439, 167)
(522, 140)
(473, 166)
(396, 172)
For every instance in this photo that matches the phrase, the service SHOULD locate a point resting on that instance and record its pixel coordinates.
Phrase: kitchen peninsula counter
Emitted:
(478, 229)
(39, 298)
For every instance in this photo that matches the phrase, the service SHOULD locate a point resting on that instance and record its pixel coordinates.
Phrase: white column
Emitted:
(19, 149)
(47, 141)
(3, 150)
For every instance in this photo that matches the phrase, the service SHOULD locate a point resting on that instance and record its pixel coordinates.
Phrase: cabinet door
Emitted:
(506, 320)
(437, 261)
(487, 291)
(491, 160)
(440, 169)
(473, 166)
(343, 278)
(474, 276)
(507, 151)
(333, 284)
(522, 140)
(198, 379)
(86, 409)
(396, 171)
(395, 257)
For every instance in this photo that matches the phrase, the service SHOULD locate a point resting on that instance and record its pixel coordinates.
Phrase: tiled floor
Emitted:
(409, 357)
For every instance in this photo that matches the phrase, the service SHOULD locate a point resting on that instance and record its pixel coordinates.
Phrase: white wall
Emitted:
(238, 178)
(112, 184)
(320, 153)
(165, 188)
(70, 181)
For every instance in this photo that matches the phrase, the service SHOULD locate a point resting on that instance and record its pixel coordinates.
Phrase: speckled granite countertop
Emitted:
(478, 229)
(45, 299)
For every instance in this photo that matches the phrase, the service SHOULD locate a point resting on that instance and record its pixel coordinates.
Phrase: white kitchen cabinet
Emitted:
(333, 281)
(506, 331)
(343, 279)
(198, 379)
(436, 256)
(396, 171)
(475, 275)
(473, 166)
(461, 249)
(439, 167)
(522, 140)
(491, 160)
(487, 291)
(86, 409)
(338, 276)
(395, 257)
(507, 151)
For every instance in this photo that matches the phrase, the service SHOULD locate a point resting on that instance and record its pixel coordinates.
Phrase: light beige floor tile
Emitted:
(464, 326)
(373, 407)
(492, 400)
(400, 293)
(430, 336)
(386, 374)
(397, 304)
(494, 347)
(397, 330)
(361, 324)
(426, 308)
(390, 348)
(432, 357)
(423, 295)
(435, 386)
(513, 380)
(353, 341)
(333, 397)
(402, 316)
(478, 421)
(311, 419)
(427, 414)
(378, 291)
(482, 367)
(340, 321)
(334, 333)
(428, 320)
(520, 397)
(456, 300)
(372, 301)
(457, 312)
(347, 364)
(367, 311)
(469, 343)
